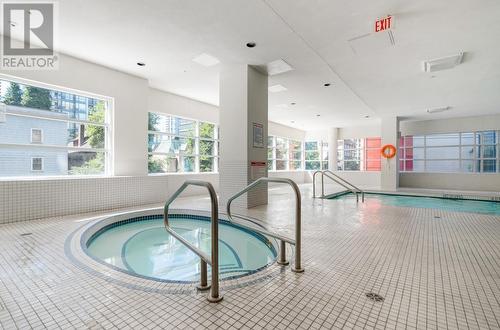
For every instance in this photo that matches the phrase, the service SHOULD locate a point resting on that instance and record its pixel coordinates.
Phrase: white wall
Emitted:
(276, 129)
(451, 181)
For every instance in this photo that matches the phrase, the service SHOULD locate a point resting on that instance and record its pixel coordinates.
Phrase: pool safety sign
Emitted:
(384, 24)
(257, 170)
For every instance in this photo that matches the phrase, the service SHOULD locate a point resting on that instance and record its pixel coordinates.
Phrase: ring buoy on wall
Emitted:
(388, 151)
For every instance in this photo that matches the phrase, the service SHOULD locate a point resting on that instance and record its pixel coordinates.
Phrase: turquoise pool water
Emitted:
(454, 205)
(144, 248)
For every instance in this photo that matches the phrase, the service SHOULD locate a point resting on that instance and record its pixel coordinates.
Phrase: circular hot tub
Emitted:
(142, 247)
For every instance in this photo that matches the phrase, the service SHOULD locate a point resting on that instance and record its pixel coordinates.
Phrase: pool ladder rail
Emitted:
(213, 260)
(339, 180)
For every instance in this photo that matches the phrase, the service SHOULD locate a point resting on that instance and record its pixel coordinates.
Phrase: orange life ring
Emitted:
(388, 151)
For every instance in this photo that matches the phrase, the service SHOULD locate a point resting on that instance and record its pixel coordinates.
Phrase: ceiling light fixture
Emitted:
(141, 64)
(206, 60)
(367, 116)
(293, 103)
(277, 88)
(443, 63)
(251, 44)
(293, 121)
(327, 84)
(441, 109)
(318, 115)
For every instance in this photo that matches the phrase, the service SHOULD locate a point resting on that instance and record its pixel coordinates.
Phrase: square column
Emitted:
(243, 134)
(333, 136)
(390, 167)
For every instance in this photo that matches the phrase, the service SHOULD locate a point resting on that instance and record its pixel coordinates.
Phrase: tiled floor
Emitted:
(433, 272)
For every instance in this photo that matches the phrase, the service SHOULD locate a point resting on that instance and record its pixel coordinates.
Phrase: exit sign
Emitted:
(383, 24)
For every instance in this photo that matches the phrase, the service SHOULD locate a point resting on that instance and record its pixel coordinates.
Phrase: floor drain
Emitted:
(374, 296)
(26, 234)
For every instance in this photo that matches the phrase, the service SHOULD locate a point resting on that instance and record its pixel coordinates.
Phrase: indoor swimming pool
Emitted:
(142, 247)
(446, 204)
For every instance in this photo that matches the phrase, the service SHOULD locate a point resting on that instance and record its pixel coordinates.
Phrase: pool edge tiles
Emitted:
(77, 243)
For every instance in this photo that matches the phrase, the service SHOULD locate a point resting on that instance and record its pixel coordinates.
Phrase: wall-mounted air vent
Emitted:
(440, 109)
(443, 63)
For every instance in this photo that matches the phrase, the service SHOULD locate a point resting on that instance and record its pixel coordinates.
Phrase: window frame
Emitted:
(477, 161)
(107, 150)
(41, 164)
(41, 136)
(196, 138)
(272, 162)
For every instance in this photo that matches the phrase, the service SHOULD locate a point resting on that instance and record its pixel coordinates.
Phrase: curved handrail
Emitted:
(213, 260)
(314, 182)
(343, 180)
(297, 267)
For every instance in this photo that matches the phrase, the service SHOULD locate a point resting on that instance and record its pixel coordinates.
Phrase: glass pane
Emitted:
(448, 139)
(443, 153)
(207, 148)
(352, 154)
(295, 145)
(325, 165)
(170, 144)
(443, 166)
(340, 166)
(162, 164)
(373, 142)
(340, 155)
(281, 165)
(353, 143)
(270, 165)
(373, 164)
(281, 153)
(270, 141)
(270, 153)
(207, 130)
(487, 137)
(171, 125)
(85, 136)
(416, 141)
(296, 155)
(467, 138)
(487, 151)
(415, 153)
(352, 165)
(207, 164)
(295, 165)
(312, 155)
(86, 163)
(312, 165)
(467, 152)
(467, 166)
(313, 145)
(416, 165)
(188, 164)
(489, 166)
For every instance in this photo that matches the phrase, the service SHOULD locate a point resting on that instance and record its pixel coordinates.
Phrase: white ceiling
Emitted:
(312, 36)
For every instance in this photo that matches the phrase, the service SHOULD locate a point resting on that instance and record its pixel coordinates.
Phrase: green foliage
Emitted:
(96, 133)
(153, 120)
(34, 97)
(155, 165)
(13, 95)
(94, 166)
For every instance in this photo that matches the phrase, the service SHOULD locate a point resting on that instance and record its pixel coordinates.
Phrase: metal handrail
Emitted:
(339, 180)
(282, 259)
(213, 261)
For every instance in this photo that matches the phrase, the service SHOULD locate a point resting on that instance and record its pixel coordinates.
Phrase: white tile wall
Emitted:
(35, 199)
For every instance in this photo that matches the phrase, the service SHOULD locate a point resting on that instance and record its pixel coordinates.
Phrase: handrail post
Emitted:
(214, 295)
(298, 219)
(322, 185)
(282, 259)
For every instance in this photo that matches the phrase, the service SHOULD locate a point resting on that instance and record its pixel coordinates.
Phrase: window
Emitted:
(284, 154)
(37, 164)
(36, 135)
(359, 154)
(178, 144)
(41, 133)
(316, 155)
(450, 152)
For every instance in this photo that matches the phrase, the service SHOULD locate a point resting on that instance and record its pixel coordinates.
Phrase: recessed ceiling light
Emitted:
(293, 121)
(367, 116)
(141, 64)
(277, 88)
(327, 84)
(318, 115)
(12, 23)
(251, 44)
(293, 103)
(206, 60)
